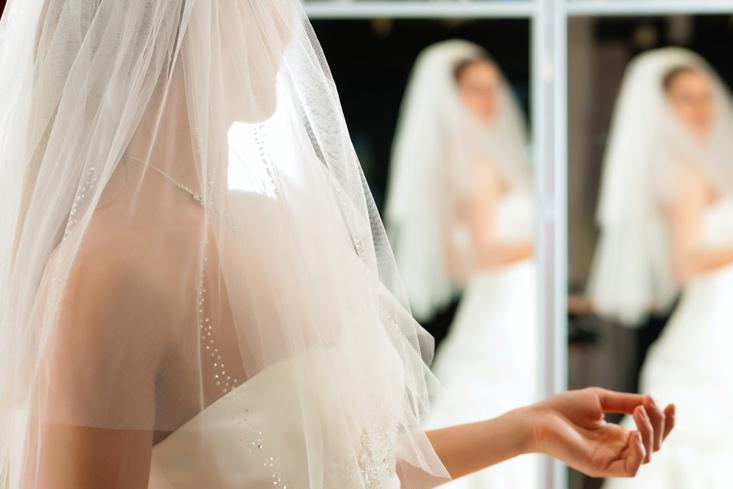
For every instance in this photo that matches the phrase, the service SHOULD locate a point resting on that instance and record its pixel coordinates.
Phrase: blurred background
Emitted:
(371, 61)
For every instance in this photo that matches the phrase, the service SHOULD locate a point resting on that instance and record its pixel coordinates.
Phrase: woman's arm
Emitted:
(78, 457)
(471, 447)
(93, 407)
(701, 261)
(690, 257)
(480, 210)
(569, 427)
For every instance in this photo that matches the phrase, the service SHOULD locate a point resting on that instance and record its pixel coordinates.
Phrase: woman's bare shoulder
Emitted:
(124, 273)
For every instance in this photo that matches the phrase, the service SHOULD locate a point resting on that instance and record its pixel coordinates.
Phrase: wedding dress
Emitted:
(691, 363)
(488, 362)
(250, 438)
(487, 365)
(196, 289)
(651, 158)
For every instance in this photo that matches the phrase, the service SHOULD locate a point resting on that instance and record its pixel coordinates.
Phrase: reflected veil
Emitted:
(647, 152)
(440, 148)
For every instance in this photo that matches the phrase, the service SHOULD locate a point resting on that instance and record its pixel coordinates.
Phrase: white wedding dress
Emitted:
(253, 438)
(487, 364)
(691, 365)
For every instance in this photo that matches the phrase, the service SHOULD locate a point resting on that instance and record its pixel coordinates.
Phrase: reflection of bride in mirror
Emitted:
(460, 217)
(666, 214)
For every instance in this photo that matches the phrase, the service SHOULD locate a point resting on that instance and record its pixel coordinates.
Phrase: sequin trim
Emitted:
(227, 384)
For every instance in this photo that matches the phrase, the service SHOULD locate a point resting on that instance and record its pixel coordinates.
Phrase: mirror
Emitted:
(651, 241)
(438, 110)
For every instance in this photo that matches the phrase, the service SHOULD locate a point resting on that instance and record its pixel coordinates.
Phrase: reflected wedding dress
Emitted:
(487, 364)
(444, 157)
(691, 363)
(650, 153)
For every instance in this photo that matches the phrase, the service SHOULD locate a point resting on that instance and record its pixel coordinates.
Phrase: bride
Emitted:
(666, 213)
(195, 287)
(460, 215)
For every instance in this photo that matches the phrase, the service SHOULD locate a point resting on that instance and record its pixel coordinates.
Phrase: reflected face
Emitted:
(690, 96)
(479, 87)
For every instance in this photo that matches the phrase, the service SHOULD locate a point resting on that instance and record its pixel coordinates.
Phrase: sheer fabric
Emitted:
(441, 155)
(648, 153)
(183, 212)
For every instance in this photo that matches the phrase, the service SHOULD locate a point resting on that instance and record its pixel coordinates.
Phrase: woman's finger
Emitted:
(628, 462)
(656, 416)
(617, 402)
(670, 414)
(633, 456)
(644, 426)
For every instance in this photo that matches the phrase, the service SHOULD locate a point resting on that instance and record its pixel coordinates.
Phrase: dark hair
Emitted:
(673, 74)
(465, 63)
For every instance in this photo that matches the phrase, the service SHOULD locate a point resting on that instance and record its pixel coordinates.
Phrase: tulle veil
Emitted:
(182, 211)
(631, 274)
(439, 150)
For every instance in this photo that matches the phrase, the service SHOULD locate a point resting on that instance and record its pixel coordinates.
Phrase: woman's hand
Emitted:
(571, 427)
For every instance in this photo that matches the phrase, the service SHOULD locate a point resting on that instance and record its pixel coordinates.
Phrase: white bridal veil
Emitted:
(182, 210)
(631, 274)
(439, 149)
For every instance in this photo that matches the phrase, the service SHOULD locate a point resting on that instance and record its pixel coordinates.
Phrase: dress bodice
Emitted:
(253, 437)
(515, 216)
(717, 223)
